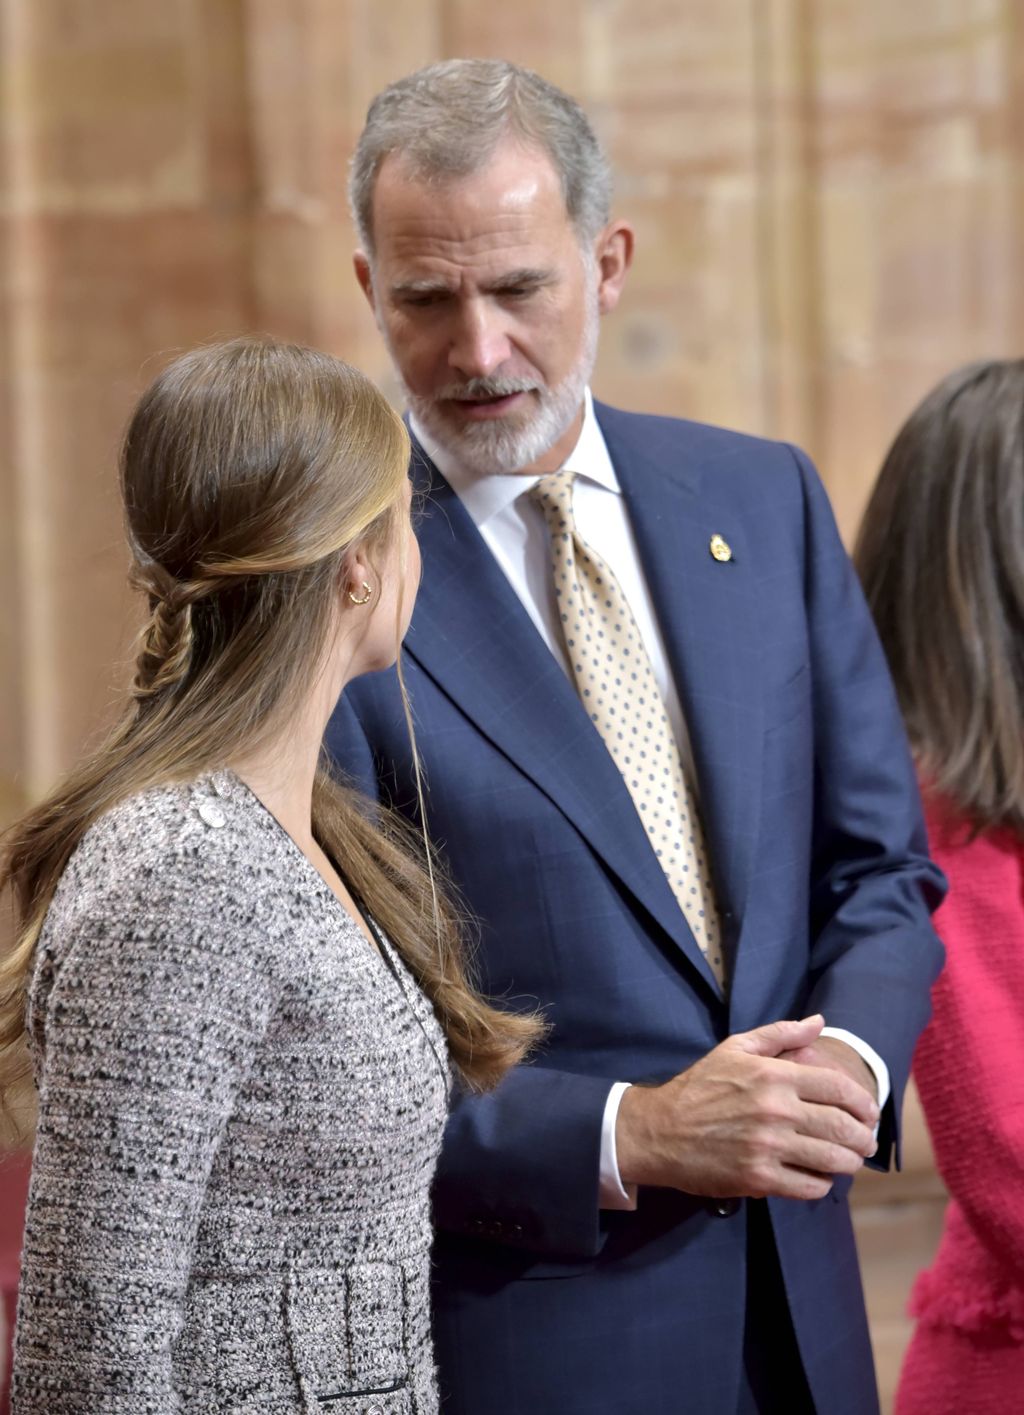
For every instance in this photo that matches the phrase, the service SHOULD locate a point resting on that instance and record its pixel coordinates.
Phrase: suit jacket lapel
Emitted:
(473, 637)
(706, 611)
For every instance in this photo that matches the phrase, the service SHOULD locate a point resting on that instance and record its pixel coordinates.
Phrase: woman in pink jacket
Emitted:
(941, 555)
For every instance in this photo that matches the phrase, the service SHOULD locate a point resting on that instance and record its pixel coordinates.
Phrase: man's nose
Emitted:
(479, 344)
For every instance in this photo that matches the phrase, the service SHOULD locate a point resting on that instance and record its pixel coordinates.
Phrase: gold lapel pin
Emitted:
(720, 548)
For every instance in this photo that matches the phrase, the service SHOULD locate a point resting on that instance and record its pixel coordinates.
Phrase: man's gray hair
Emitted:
(447, 119)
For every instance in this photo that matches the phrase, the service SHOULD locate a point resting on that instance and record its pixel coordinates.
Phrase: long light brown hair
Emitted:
(941, 557)
(248, 471)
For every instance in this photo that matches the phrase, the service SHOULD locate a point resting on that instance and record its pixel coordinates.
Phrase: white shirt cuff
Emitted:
(613, 1194)
(868, 1055)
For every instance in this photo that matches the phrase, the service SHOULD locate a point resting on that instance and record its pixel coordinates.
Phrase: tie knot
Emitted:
(553, 493)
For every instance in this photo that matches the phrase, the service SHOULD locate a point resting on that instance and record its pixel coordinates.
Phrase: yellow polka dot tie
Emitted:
(616, 682)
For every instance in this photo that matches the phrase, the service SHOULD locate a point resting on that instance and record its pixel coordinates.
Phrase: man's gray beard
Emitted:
(493, 445)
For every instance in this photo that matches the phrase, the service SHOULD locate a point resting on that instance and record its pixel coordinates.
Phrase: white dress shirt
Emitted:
(515, 532)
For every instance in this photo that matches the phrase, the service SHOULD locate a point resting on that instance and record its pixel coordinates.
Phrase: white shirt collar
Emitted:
(484, 494)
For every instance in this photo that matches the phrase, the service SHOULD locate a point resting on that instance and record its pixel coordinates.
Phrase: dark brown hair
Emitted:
(248, 471)
(941, 557)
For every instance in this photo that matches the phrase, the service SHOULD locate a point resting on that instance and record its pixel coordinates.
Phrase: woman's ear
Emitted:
(357, 579)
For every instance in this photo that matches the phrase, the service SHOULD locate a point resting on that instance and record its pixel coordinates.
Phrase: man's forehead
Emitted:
(511, 198)
(429, 249)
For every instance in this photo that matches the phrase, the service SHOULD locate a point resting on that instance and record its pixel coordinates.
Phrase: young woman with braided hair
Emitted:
(242, 990)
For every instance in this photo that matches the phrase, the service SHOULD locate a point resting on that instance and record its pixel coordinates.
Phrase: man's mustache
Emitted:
(479, 389)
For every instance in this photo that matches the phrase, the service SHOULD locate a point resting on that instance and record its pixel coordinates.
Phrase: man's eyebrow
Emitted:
(427, 286)
(527, 278)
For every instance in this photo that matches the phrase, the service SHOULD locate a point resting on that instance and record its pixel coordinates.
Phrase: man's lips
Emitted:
(480, 409)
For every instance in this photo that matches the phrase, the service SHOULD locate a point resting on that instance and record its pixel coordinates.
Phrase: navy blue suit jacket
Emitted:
(544, 1303)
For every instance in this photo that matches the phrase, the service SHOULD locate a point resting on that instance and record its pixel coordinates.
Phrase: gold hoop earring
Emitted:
(368, 591)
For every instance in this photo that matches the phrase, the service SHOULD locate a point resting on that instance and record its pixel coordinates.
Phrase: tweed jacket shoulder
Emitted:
(241, 1107)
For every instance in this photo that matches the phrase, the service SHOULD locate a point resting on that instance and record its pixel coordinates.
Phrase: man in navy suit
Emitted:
(651, 1217)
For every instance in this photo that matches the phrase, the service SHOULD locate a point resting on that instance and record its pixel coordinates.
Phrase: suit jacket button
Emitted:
(724, 1208)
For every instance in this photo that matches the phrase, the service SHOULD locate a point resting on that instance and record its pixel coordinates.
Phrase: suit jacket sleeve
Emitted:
(874, 952)
(540, 1193)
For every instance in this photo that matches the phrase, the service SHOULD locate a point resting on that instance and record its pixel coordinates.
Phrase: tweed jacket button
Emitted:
(212, 814)
(219, 782)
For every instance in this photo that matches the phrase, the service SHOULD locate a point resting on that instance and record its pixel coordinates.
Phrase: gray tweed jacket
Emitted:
(241, 1106)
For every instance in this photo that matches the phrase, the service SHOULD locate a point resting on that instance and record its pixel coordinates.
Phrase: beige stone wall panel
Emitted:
(552, 38)
(917, 177)
(126, 234)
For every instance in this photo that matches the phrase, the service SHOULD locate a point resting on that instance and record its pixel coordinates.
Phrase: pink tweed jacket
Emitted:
(967, 1353)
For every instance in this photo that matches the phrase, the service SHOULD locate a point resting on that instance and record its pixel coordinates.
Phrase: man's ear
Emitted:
(613, 251)
(361, 265)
